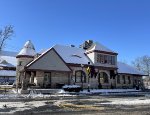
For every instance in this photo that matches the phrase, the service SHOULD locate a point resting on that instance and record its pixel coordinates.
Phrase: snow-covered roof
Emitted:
(99, 47)
(27, 50)
(72, 54)
(7, 73)
(4, 63)
(124, 68)
(8, 59)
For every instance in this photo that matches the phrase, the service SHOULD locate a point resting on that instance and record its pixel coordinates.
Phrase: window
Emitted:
(106, 59)
(124, 79)
(80, 76)
(101, 59)
(129, 79)
(113, 60)
(19, 63)
(105, 77)
(118, 79)
(98, 58)
(109, 59)
(47, 77)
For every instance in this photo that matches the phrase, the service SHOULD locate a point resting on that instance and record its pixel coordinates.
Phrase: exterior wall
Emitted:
(133, 78)
(93, 82)
(56, 79)
(50, 61)
(74, 69)
(92, 56)
(39, 78)
(21, 63)
(106, 85)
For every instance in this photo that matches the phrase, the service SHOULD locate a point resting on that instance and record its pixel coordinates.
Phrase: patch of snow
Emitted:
(61, 91)
(71, 86)
(105, 91)
(68, 54)
(99, 47)
(21, 106)
(124, 68)
(11, 61)
(129, 102)
(28, 49)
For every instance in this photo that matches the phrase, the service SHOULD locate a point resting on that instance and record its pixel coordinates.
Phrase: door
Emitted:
(47, 80)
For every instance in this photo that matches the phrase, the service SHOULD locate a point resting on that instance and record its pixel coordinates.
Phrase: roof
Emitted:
(53, 62)
(8, 59)
(7, 73)
(27, 50)
(99, 47)
(124, 68)
(72, 55)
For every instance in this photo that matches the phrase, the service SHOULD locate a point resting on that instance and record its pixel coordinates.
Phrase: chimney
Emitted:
(87, 44)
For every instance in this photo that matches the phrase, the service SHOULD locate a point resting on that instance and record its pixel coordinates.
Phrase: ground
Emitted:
(97, 102)
(68, 104)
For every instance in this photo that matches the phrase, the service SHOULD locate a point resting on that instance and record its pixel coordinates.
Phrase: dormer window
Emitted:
(106, 59)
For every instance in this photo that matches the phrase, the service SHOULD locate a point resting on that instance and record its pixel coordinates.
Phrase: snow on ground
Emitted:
(61, 93)
(20, 106)
(109, 91)
(129, 102)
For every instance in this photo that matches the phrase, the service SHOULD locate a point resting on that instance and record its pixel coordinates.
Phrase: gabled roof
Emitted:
(48, 61)
(8, 59)
(99, 47)
(127, 69)
(4, 63)
(27, 50)
(72, 55)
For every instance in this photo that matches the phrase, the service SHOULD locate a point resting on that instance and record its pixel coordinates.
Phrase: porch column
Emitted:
(32, 78)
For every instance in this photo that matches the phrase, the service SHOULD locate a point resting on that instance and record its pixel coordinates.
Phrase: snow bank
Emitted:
(109, 91)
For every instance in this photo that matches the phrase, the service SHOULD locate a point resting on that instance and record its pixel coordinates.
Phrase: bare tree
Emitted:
(5, 34)
(143, 64)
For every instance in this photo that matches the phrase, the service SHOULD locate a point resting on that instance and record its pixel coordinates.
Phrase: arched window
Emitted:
(80, 76)
(105, 77)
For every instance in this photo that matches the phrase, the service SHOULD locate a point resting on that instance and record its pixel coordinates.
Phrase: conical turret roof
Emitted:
(27, 50)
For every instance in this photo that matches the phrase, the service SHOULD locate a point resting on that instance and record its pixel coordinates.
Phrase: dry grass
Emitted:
(80, 107)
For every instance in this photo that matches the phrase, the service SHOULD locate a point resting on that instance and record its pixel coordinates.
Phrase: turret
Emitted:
(25, 56)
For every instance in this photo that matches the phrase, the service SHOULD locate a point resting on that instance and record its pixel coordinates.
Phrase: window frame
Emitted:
(81, 77)
(124, 79)
(118, 79)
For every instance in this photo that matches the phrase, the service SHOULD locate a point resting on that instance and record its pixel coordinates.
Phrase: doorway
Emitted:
(47, 80)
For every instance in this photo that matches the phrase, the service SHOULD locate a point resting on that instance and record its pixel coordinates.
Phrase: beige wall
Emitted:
(56, 78)
(92, 81)
(59, 78)
(91, 56)
(127, 85)
(19, 73)
(50, 61)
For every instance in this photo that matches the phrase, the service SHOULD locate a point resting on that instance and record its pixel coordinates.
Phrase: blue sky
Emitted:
(121, 25)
